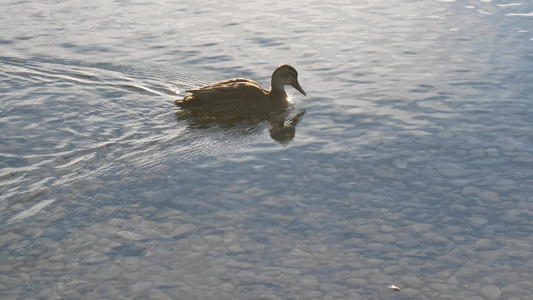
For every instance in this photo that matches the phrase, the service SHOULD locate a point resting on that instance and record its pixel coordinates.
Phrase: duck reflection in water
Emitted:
(239, 99)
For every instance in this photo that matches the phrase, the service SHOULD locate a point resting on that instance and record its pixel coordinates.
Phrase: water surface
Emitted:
(411, 167)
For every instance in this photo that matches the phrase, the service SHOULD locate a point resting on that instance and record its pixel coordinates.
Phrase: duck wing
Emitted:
(226, 84)
(233, 95)
(237, 88)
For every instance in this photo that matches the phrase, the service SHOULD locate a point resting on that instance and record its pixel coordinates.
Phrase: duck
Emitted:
(240, 96)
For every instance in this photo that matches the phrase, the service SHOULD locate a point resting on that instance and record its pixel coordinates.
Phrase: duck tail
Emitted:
(188, 102)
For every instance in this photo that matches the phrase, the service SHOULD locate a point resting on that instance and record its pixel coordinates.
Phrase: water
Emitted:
(411, 167)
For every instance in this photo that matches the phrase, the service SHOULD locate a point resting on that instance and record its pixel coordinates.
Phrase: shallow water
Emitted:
(411, 167)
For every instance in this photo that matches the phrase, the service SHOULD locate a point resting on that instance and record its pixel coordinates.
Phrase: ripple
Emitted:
(410, 166)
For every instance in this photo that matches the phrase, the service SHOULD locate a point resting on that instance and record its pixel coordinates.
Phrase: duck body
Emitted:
(241, 96)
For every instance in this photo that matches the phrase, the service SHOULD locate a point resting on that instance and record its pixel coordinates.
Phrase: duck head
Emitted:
(285, 75)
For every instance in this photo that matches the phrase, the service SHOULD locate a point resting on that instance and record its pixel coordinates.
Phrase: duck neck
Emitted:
(277, 93)
(277, 97)
(277, 90)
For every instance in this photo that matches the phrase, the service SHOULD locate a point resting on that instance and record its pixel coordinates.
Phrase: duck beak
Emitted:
(297, 86)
